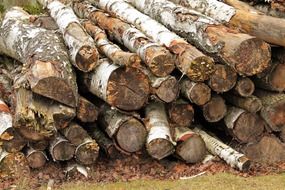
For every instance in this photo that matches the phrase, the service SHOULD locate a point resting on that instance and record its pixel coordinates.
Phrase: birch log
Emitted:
(61, 149)
(244, 87)
(35, 158)
(157, 58)
(232, 48)
(108, 48)
(244, 126)
(225, 152)
(251, 104)
(273, 111)
(215, 109)
(46, 63)
(127, 130)
(82, 50)
(159, 142)
(124, 88)
(191, 61)
(86, 111)
(190, 146)
(197, 93)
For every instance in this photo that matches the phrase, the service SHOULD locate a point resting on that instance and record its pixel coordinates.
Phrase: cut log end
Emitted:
(131, 135)
(87, 154)
(244, 87)
(252, 57)
(160, 148)
(277, 79)
(36, 159)
(63, 151)
(181, 114)
(15, 144)
(275, 115)
(87, 58)
(168, 90)
(128, 89)
(198, 94)
(215, 109)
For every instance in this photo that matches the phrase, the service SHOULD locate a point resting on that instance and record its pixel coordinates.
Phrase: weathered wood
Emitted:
(44, 21)
(35, 158)
(103, 141)
(266, 9)
(215, 109)
(232, 48)
(108, 48)
(181, 113)
(86, 111)
(127, 130)
(273, 111)
(40, 114)
(268, 150)
(251, 103)
(61, 149)
(190, 146)
(124, 88)
(191, 61)
(157, 58)
(244, 126)
(38, 145)
(197, 93)
(82, 50)
(244, 87)
(47, 69)
(75, 134)
(159, 142)
(222, 79)
(225, 152)
(282, 134)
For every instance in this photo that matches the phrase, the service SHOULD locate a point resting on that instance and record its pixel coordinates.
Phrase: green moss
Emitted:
(33, 9)
(2, 8)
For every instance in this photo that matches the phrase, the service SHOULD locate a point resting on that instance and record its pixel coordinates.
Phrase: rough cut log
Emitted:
(165, 89)
(47, 68)
(108, 48)
(197, 93)
(86, 111)
(190, 146)
(232, 48)
(225, 152)
(215, 109)
(35, 158)
(61, 149)
(127, 130)
(75, 134)
(244, 87)
(273, 111)
(158, 59)
(222, 79)
(181, 113)
(244, 126)
(82, 50)
(268, 150)
(273, 79)
(159, 143)
(39, 145)
(251, 104)
(103, 141)
(124, 88)
(191, 61)
(40, 114)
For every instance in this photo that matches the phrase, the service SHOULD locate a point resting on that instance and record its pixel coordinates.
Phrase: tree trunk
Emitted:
(229, 155)
(215, 109)
(158, 59)
(86, 111)
(159, 141)
(128, 131)
(190, 146)
(61, 149)
(82, 50)
(191, 61)
(124, 88)
(234, 49)
(36, 158)
(39, 114)
(244, 87)
(46, 63)
(273, 111)
(268, 150)
(244, 126)
(197, 93)
(165, 89)
(251, 104)
(223, 79)
(103, 141)
(181, 113)
(111, 50)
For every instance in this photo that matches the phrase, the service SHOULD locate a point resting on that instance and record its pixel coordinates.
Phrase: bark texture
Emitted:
(251, 104)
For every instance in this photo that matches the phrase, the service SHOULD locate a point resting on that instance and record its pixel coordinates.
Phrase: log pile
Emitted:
(165, 78)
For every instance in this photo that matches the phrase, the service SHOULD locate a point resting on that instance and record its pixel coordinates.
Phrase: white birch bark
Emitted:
(225, 152)
(5, 118)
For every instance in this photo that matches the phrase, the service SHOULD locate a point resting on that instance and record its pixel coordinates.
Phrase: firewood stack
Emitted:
(121, 76)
